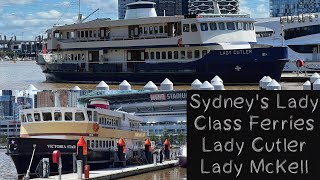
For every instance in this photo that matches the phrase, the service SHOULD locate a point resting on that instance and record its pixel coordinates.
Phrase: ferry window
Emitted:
(176, 55)
(161, 29)
(92, 143)
(156, 29)
(88, 143)
(170, 55)
(57, 116)
(196, 54)
(194, 28)
(186, 28)
(152, 55)
(107, 143)
(94, 33)
(29, 117)
(23, 118)
(182, 54)
(129, 56)
(251, 26)
(82, 34)
(189, 54)
(142, 56)
(157, 55)
(112, 142)
(89, 113)
(90, 34)
(164, 55)
(213, 26)
(140, 30)
(79, 57)
(239, 25)
(230, 26)
(150, 30)
(78, 32)
(245, 26)
(100, 144)
(72, 35)
(37, 117)
(68, 116)
(68, 35)
(145, 30)
(57, 35)
(79, 116)
(95, 116)
(87, 34)
(204, 52)
(221, 26)
(146, 55)
(136, 31)
(204, 26)
(97, 144)
(103, 144)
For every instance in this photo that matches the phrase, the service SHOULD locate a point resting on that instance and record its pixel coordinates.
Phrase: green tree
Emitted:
(165, 135)
(153, 137)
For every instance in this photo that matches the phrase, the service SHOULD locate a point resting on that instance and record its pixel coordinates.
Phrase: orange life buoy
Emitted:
(96, 127)
(180, 42)
(299, 63)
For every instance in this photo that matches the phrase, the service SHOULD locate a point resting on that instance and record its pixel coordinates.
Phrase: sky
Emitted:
(27, 19)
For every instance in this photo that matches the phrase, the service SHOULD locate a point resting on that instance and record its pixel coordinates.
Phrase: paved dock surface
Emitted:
(115, 173)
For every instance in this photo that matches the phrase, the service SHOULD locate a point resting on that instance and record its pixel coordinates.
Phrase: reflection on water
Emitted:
(167, 174)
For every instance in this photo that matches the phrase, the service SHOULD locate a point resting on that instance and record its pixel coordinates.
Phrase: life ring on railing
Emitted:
(96, 127)
(180, 42)
(58, 47)
(299, 63)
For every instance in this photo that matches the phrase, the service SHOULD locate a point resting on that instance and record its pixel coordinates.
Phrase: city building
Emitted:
(208, 6)
(280, 8)
(9, 114)
(45, 99)
(163, 7)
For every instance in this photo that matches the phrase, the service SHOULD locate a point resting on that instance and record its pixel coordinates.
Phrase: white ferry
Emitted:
(60, 129)
(145, 47)
(299, 33)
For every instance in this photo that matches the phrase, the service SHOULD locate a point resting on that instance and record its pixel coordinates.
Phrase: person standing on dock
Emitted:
(161, 155)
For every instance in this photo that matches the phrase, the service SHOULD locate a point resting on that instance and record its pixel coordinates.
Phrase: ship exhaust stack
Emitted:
(141, 9)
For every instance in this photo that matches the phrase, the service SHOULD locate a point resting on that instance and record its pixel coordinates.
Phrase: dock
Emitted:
(116, 173)
(295, 77)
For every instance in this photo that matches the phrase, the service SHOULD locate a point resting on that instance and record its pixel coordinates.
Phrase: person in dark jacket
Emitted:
(161, 155)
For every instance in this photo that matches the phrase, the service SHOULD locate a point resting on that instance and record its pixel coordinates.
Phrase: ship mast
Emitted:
(79, 14)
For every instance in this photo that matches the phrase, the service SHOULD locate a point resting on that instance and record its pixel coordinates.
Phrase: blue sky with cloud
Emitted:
(29, 18)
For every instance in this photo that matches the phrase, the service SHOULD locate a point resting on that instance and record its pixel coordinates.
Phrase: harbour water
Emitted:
(7, 168)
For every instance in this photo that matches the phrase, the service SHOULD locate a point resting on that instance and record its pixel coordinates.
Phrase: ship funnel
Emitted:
(141, 9)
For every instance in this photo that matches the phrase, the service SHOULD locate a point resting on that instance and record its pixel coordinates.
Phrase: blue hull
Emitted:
(233, 66)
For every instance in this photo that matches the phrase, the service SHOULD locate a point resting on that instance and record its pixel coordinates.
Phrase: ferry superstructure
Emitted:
(60, 129)
(299, 33)
(146, 47)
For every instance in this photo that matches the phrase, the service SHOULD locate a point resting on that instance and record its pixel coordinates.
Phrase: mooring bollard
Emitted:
(307, 85)
(82, 151)
(154, 159)
(86, 171)
(79, 169)
(56, 159)
(206, 86)
(313, 79)
(218, 85)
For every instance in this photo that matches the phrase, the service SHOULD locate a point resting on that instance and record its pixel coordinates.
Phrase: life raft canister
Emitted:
(96, 127)
(299, 63)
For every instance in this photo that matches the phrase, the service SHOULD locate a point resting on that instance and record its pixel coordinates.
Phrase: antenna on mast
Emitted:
(79, 15)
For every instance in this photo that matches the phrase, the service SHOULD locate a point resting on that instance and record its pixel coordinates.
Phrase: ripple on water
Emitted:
(7, 168)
